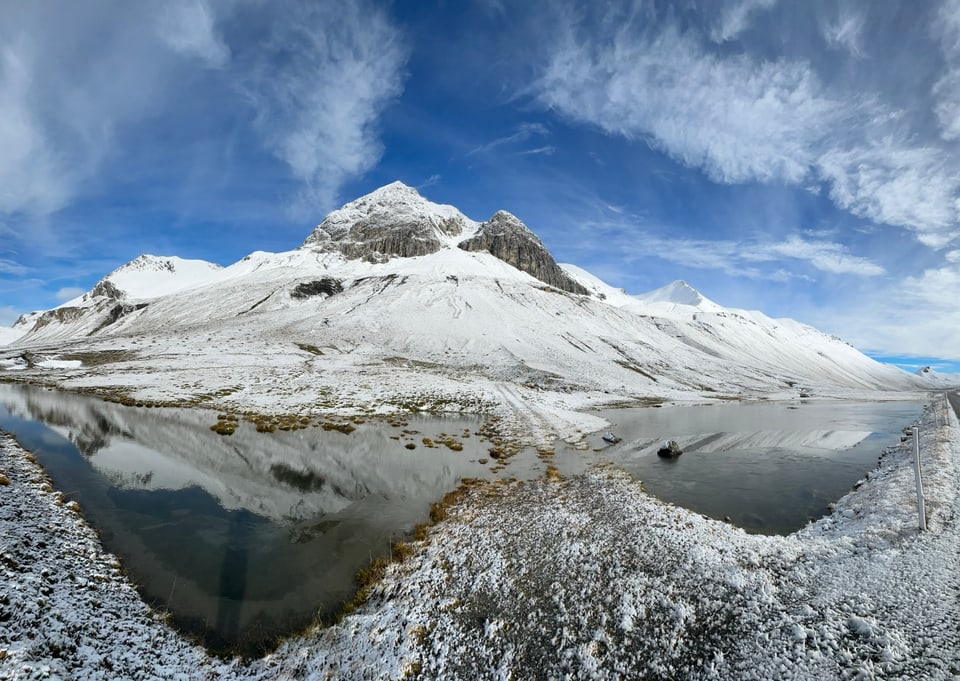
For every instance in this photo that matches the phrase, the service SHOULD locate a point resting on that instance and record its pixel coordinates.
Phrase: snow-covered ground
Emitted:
(587, 577)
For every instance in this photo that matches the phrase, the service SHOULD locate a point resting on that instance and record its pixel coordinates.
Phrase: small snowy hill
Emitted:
(936, 379)
(678, 293)
(393, 295)
(116, 296)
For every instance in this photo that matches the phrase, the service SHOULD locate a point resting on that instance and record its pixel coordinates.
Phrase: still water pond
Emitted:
(768, 467)
(248, 536)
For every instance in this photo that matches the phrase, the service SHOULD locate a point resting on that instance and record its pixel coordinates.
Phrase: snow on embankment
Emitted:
(66, 609)
(593, 578)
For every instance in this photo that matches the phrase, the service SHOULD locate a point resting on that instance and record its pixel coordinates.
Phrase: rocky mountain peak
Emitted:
(393, 220)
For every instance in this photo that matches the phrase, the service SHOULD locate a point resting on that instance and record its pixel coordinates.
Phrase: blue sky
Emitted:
(800, 158)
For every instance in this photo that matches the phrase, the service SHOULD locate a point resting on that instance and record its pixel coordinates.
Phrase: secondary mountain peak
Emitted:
(678, 292)
(507, 238)
(149, 276)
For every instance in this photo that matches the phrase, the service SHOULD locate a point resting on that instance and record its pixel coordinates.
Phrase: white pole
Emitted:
(916, 471)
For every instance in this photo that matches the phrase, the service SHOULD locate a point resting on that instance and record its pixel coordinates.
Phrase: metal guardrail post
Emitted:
(916, 471)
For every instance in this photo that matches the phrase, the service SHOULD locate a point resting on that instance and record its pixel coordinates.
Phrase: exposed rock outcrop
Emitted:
(62, 315)
(107, 289)
(115, 313)
(327, 286)
(505, 237)
(393, 221)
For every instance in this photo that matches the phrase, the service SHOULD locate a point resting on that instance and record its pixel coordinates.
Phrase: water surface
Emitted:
(769, 467)
(248, 536)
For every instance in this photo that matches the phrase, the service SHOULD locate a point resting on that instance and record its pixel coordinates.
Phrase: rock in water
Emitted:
(670, 450)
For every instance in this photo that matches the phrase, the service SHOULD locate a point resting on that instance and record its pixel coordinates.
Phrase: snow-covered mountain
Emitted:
(393, 296)
(116, 296)
(937, 379)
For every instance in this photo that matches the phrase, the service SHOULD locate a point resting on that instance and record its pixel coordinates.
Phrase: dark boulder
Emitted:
(670, 450)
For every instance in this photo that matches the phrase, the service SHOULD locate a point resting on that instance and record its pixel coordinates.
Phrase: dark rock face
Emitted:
(327, 286)
(115, 313)
(107, 289)
(63, 315)
(670, 450)
(388, 223)
(505, 237)
(377, 240)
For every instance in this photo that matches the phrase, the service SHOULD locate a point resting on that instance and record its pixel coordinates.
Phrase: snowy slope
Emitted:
(384, 301)
(938, 380)
(150, 276)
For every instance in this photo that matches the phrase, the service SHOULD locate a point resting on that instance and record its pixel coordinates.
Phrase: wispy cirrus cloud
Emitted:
(779, 259)
(78, 83)
(523, 133)
(735, 16)
(68, 293)
(946, 91)
(546, 149)
(826, 256)
(12, 267)
(845, 31)
(188, 27)
(319, 83)
(741, 116)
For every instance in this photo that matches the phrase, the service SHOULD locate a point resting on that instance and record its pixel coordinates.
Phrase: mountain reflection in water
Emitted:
(245, 537)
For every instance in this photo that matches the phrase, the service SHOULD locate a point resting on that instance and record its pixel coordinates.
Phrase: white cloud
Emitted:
(743, 118)
(743, 259)
(845, 32)
(735, 18)
(737, 119)
(341, 65)
(523, 132)
(188, 27)
(921, 313)
(892, 182)
(546, 150)
(30, 177)
(79, 81)
(11, 267)
(825, 256)
(946, 91)
(429, 182)
(74, 78)
(68, 293)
